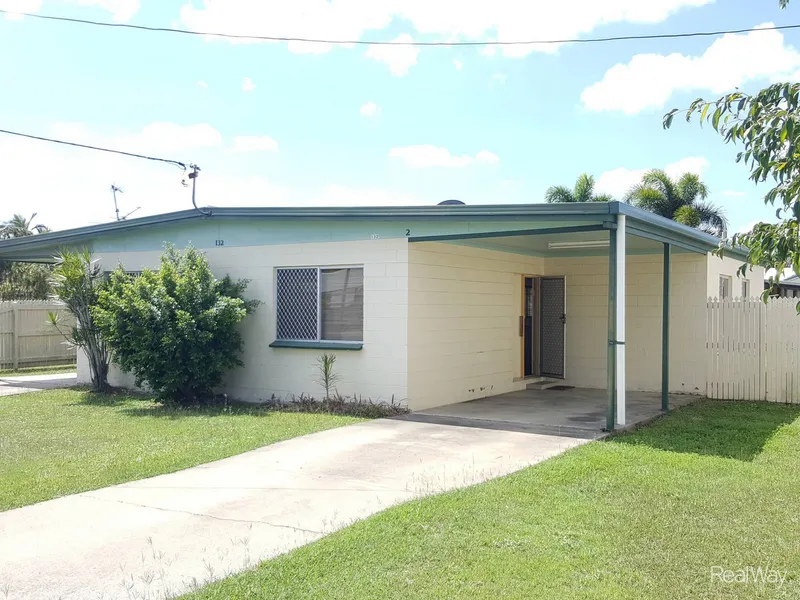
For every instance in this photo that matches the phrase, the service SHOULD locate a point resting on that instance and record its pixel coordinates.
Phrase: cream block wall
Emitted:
(729, 266)
(587, 321)
(463, 309)
(379, 371)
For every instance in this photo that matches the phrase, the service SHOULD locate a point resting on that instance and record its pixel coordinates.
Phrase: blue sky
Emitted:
(354, 126)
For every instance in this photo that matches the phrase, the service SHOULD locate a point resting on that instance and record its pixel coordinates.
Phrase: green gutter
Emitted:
(640, 222)
(513, 233)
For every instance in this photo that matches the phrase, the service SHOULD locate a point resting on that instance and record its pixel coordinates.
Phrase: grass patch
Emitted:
(60, 442)
(642, 515)
(45, 370)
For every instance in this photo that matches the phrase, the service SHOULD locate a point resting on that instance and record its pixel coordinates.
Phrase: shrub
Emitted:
(175, 328)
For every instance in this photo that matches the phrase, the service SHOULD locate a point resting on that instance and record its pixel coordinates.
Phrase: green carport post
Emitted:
(665, 330)
(611, 382)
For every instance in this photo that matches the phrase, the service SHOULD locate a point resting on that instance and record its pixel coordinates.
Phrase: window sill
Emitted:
(317, 345)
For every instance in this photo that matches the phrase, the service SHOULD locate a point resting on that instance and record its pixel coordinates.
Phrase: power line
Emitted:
(266, 38)
(195, 170)
(176, 163)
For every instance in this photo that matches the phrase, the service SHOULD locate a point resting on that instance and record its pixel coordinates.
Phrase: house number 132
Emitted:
(219, 242)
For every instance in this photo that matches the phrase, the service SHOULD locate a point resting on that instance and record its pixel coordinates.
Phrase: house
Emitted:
(786, 288)
(438, 305)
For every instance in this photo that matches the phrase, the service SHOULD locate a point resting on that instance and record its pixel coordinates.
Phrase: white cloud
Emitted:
(497, 79)
(202, 84)
(252, 143)
(419, 157)
(458, 64)
(747, 227)
(399, 58)
(488, 51)
(451, 20)
(649, 80)
(69, 187)
(248, 85)
(370, 109)
(16, 7)
(617, 182)
(484, 156)
(733, 194)
(121, 10)
(157, 137)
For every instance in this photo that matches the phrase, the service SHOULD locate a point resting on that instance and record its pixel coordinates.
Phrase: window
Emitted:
(320, 304)
(745, 288)
(725, 282)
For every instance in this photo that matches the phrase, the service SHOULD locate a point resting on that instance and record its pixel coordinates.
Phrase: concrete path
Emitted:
(10, 386)
(166, 535)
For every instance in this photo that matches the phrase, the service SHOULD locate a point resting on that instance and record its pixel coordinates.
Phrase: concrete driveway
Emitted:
(10, 386)
(162, 536)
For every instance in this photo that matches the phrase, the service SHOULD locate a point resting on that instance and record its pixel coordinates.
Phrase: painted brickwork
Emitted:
(464, 308)
(587, 325)
(441, 320)
(378, 371)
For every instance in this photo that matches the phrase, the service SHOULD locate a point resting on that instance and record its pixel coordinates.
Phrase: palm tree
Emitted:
(682, 200)
(20, 280)
(583, 192)
(19, 226)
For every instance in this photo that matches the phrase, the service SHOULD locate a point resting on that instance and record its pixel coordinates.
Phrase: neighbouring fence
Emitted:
(28, 339)
(753, 350)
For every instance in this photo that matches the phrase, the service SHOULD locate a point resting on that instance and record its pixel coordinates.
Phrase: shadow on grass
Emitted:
(150, 407)
(168, 411)
(737, 430)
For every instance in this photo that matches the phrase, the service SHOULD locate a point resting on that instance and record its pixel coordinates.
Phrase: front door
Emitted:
(553, 321)
(529, 300)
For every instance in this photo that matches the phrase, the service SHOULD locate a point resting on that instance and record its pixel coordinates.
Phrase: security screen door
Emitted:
(553, 326)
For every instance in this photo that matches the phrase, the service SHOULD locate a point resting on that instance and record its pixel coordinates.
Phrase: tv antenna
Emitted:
(114, 190)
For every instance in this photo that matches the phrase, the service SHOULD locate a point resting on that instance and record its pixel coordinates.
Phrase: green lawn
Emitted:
(65, 441)
(642, 516)
(46, 370)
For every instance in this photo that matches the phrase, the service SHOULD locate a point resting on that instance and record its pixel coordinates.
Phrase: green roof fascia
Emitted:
(655, 227)
(646, 223)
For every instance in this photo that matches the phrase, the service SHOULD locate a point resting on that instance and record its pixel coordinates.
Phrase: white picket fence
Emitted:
(28, 339)
(753, 350)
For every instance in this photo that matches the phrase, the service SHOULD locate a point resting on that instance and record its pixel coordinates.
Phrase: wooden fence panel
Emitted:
(753, 350)
(27, 338)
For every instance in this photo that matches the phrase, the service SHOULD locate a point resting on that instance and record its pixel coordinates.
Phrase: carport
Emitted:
(613, 235)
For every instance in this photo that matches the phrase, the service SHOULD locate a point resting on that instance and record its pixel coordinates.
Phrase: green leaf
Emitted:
(703, 114)
(715, 118)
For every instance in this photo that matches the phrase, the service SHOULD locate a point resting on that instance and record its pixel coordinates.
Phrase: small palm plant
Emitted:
(76, 280)
(327, 376)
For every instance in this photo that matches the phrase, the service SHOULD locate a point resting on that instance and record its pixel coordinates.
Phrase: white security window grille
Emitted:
(725, 286)
(745, 288)
(297, 304)
(320, 304)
